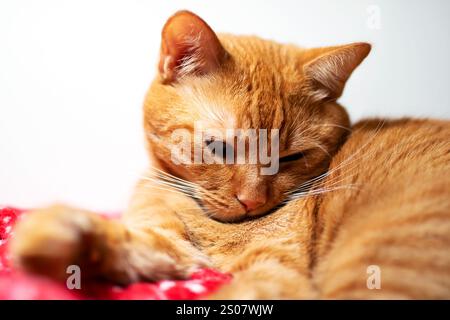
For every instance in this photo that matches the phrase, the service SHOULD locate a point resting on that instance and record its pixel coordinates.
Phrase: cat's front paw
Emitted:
(49, 240)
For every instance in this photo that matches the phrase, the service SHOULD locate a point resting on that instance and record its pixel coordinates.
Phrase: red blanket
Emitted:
(17, 285)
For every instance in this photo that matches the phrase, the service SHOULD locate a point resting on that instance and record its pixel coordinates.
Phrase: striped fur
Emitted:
(376, 195)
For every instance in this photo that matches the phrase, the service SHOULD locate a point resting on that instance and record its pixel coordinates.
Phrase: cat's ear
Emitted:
(330, 68)
(188, 46)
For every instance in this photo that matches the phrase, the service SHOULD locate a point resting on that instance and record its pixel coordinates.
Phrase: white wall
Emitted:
(73, 75)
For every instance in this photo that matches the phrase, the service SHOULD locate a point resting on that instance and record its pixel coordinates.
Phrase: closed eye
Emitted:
(216, 145)
(293, 157)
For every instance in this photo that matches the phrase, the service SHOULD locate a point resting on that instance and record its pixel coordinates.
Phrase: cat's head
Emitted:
(211, 86)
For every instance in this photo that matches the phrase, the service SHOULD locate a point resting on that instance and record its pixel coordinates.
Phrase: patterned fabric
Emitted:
(17, 285)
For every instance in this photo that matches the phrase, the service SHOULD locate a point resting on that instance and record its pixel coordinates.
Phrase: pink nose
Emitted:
(249, 203)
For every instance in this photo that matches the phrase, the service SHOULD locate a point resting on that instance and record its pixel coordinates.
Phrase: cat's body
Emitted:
(374, 197)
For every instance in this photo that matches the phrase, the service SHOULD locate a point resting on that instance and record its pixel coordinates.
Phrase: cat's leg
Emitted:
(48, 240)
(261, 275)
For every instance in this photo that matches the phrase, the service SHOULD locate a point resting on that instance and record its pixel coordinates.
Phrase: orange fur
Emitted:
(375, 194)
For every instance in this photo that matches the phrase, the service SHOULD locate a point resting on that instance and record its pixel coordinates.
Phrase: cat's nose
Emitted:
(251, 203)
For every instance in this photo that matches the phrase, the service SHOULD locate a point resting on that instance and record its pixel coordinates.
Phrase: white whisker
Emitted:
(302, 189)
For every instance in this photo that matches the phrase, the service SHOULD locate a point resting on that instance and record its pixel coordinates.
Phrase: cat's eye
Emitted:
(293, 157)
(215, 145)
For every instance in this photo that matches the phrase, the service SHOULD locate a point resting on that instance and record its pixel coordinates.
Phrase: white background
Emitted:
(73, 75)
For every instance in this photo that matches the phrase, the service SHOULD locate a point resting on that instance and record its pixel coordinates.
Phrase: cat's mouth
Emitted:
(240, 215)
(259, 215)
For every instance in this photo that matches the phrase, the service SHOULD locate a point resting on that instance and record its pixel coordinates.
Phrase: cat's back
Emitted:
(390, 208)
(392, 158)
(396, 156)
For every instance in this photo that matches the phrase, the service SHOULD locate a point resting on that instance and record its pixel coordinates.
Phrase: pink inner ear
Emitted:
(188, 46)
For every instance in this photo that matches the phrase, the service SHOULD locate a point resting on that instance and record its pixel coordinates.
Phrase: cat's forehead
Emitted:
(220, 107)
(208, 109)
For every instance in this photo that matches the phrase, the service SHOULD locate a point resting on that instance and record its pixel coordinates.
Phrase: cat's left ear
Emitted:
(330, 68)
(188, 46)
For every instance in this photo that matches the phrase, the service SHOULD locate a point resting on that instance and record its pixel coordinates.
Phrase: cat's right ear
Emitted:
(188, 46)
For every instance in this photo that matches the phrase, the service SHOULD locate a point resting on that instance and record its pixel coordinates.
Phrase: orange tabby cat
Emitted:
(343, 203)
